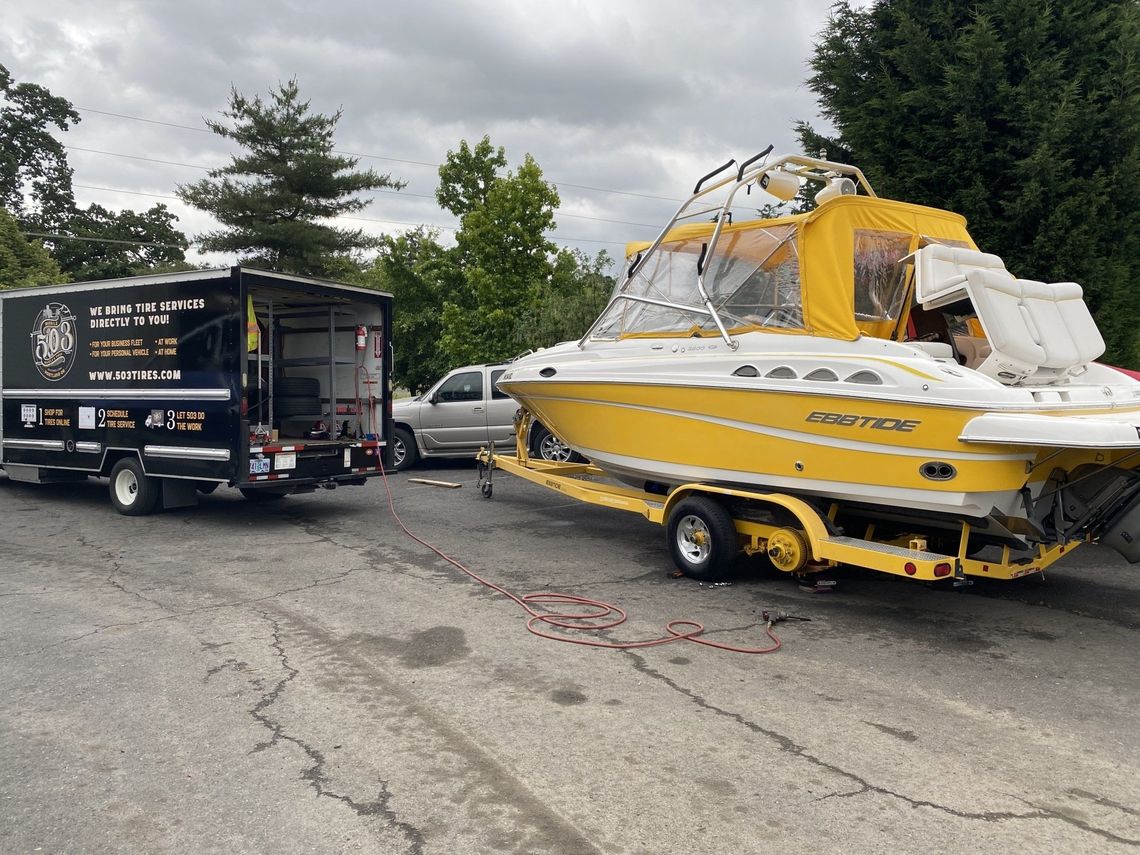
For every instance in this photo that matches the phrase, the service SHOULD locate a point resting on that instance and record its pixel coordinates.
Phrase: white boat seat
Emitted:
(1079, 320)
(1051, 332)
(1066, 328)
(940, 272)
(1014, 338)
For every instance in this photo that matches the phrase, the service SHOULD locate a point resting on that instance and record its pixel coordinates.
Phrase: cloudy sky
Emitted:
(623, 103)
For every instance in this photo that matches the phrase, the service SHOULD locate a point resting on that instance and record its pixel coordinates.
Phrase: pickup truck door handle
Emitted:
(476, 409)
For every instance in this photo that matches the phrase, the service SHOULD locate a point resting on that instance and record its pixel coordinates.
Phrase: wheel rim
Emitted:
(694, 541)
(126, 487)
(552, 448)
(399, 452)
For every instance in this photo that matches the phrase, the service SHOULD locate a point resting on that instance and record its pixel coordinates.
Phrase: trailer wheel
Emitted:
(133, 493)
(702, 538)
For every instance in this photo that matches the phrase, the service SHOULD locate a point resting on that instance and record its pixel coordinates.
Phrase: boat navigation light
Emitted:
(835, 187)
(783, 185)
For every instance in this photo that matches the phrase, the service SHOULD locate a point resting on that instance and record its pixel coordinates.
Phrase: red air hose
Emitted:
(591, 616)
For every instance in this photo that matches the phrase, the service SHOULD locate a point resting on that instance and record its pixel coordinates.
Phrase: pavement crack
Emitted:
(862, 786)
(315, 775)
(335, 579)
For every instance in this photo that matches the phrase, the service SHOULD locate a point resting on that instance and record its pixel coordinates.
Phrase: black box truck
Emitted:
(172, 385)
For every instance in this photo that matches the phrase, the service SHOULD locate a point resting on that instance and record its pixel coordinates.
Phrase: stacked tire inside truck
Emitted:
(296, 396)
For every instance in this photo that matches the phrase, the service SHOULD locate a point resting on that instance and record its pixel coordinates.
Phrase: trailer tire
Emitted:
(297, 387)
(133, 492)
(702, 538)
(404, 451)
(262, 494)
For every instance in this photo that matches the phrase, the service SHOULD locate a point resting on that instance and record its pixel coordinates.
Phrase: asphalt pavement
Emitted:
(301, 676)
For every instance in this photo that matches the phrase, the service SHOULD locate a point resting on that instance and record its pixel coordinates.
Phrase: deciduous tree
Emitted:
(23, 262)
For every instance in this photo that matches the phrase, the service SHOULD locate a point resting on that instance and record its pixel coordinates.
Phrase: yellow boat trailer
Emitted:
(705, 536)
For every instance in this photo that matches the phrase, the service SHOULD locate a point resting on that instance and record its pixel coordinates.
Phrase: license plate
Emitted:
(285, 460)
(259, 467)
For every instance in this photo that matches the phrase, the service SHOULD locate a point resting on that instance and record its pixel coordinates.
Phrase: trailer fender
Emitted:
(811, 526)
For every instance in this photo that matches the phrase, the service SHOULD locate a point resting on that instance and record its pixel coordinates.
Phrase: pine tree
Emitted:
(274, 199)
(1023, 116)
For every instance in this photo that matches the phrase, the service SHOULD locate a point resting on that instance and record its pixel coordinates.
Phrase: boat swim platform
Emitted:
(809, 546)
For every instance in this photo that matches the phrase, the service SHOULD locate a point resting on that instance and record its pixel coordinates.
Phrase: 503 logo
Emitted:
(53, 341)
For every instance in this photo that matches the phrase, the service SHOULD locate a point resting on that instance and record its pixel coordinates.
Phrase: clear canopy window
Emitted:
(752, 278)
(880, 281)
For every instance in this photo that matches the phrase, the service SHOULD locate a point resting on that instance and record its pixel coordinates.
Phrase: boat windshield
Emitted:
(753, 281)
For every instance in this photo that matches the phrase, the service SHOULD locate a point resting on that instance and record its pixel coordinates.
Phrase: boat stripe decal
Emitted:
(805, 437)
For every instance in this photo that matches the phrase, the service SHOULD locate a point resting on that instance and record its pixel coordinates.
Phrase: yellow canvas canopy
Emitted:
(832, 272)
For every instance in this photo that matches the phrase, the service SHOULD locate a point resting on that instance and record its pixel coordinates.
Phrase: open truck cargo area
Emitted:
(175, 384)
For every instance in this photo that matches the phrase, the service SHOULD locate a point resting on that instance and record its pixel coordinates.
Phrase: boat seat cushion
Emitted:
(940, 272)
(1052, 333)
(974, 350)
(1079, 320)
(1013, 335)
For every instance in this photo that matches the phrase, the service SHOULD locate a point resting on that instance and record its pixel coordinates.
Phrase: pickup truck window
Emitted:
(495, 393)
(467, 386)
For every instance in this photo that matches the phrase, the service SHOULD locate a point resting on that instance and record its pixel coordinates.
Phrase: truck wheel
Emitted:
(702, 538)
(547, 446)
(133, 493)
(262, 494)
(404, 451)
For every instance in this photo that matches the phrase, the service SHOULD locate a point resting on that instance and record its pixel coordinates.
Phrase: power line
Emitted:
(397, 193)
(341, 217)
(379, 157)
(106, 240)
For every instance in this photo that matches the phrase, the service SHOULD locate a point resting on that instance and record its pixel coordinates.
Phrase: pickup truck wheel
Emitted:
(133, 492)
(547, 446)
(404, 451)
(702, 538)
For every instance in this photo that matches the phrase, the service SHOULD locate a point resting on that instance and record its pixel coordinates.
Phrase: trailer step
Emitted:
(886, 549)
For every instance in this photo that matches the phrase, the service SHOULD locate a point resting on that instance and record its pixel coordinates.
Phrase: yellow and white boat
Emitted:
(865, 353)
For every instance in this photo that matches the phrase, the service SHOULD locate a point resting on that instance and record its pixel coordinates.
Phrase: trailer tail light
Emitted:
(910, 568)
(941, 570)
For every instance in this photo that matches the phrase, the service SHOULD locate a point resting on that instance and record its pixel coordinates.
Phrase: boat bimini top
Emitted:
(840, 271)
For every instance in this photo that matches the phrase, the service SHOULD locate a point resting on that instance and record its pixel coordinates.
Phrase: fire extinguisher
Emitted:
(361, 337)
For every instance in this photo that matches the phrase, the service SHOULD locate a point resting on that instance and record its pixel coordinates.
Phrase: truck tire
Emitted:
(297, 387)
(404, 451)
(702, 538)
(133, 493)
(291, 406)
(546, 446)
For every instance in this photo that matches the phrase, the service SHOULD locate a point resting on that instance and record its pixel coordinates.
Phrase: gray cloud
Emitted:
(626, 95)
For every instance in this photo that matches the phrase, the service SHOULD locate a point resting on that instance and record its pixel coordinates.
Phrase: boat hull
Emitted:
(880, 452)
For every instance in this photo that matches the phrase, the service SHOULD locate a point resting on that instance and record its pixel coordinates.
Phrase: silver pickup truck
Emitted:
(460, 414)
